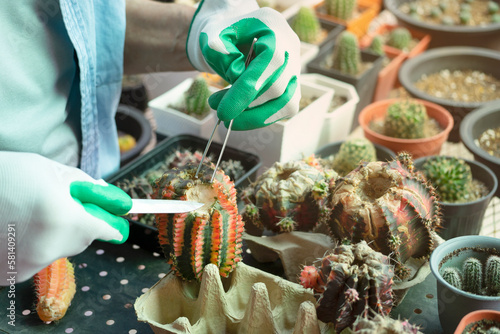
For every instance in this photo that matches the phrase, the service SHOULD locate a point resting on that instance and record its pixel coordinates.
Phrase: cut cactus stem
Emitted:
(55, 288)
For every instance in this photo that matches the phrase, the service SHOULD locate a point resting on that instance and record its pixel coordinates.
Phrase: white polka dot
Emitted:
(88, 313)
(155, 254)
(132, 331)
(141, 267)
(136, 246)
(128, 305)
(47, 322)
(103, 273)
(82, 265)
(161, 275)
(99, 251)
(68, 330)
(120, 259)
(249, 251)
(106, 297)
(26, 312)
(85, 288)
(124, 281)
(110, 322)
(145, 290)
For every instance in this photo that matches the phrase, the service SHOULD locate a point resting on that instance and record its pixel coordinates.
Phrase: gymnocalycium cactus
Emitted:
(377, 45)
(306, 25)
(288, 196)
(196, 97)
(346, 53)
(399, 38)
(211, 234)
(341, 9)
(475, 277)
(350, 280)
(389, 205)
(351, 153)
(451, 176)
(378, 324)
(406, 119)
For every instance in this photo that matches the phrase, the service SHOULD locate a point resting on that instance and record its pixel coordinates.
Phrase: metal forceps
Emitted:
(247, 61)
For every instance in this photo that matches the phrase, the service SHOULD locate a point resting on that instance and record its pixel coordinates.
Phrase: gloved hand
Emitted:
(55, 211)
(268, 90)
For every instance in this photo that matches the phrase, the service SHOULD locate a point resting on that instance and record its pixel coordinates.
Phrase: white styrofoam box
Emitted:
(171, 122)
(307, 53)
(286, 140)
(338, 122)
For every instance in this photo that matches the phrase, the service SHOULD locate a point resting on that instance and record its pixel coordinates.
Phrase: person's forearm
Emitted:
(155, 39)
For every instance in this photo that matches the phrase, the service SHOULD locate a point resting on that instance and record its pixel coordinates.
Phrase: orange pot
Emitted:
(477, 316)
(416, 147)
(388, 76)
(358, 25)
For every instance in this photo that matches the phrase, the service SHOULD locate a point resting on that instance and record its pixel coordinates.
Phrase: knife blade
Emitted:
(163, 206)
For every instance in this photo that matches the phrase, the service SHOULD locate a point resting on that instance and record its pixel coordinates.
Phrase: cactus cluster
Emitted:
(351, 153)
(475, 277)
(306, 25)
(211, 234)
(287, 197)
(451, 176)
(399, 38)
(349, 281)
(378, 324)
(341, 9)
(406, 119)
(389, 205)
(346, 53)
(196, 97)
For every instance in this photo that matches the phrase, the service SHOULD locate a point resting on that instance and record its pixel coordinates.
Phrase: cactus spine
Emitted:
(451, 176)
(406, 119)
(211, 234)
(453, 277)
(399, 38)
(341, 9)
(492, 275)
(306, 25)
(196, 97)
(350, 280)
(346, 53)
(390, 206)
(351, 153)
(377, 45)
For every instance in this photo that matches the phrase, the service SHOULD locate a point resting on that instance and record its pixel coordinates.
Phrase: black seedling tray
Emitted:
(145, 235)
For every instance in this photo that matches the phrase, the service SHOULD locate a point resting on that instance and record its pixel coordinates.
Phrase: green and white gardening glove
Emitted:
(268, 90)
(50, 211)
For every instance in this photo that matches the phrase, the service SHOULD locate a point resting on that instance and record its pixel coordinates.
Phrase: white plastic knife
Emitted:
(163, 206)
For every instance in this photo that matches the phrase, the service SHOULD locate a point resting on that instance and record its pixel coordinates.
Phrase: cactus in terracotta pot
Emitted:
(346, 53)
(389, 205)
(196, 97)
(288, 196)
(350, 280)
(341, 9)
(451, 176)
(399, 38)
(306, 25)
(211, 234)
(351, 152)
(406, 119)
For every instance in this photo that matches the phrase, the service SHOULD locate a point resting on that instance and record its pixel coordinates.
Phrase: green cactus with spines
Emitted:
(351, 152)
(453, 277)
(346, 53)
(341, 9)
(413, 8)
(196, 97)
(443, 5)
(493, 7)
(465, 17)
(306, 25)
(447, 20)
(436, 12)
(451, 176)
(399, 38)
(492, 275)
(493, 330)
(377, 45)
(472, 272)
(495, 18)
(406, 119)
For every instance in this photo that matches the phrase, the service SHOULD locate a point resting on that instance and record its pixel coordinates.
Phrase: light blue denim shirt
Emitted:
(60, 80)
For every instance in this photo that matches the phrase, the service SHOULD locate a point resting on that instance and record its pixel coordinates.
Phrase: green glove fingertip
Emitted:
(109, 197)
(123, 226)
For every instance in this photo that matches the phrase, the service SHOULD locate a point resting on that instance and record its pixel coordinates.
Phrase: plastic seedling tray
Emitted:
(145, 235)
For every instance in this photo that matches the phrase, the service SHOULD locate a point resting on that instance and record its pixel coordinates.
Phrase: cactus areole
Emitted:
(211, 234)
(388, 205)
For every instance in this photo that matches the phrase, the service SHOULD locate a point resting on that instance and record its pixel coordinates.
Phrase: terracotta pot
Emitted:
(476, 316)
(367, 11)
(388, 76)
(416, 147)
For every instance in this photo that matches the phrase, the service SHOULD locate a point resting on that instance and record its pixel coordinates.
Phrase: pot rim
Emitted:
(454, 244)
(392, 6)
(470, 162)
(387, 102)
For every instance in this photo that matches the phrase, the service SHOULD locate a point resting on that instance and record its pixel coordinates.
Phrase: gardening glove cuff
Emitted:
(219, 38)
(50, 211)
